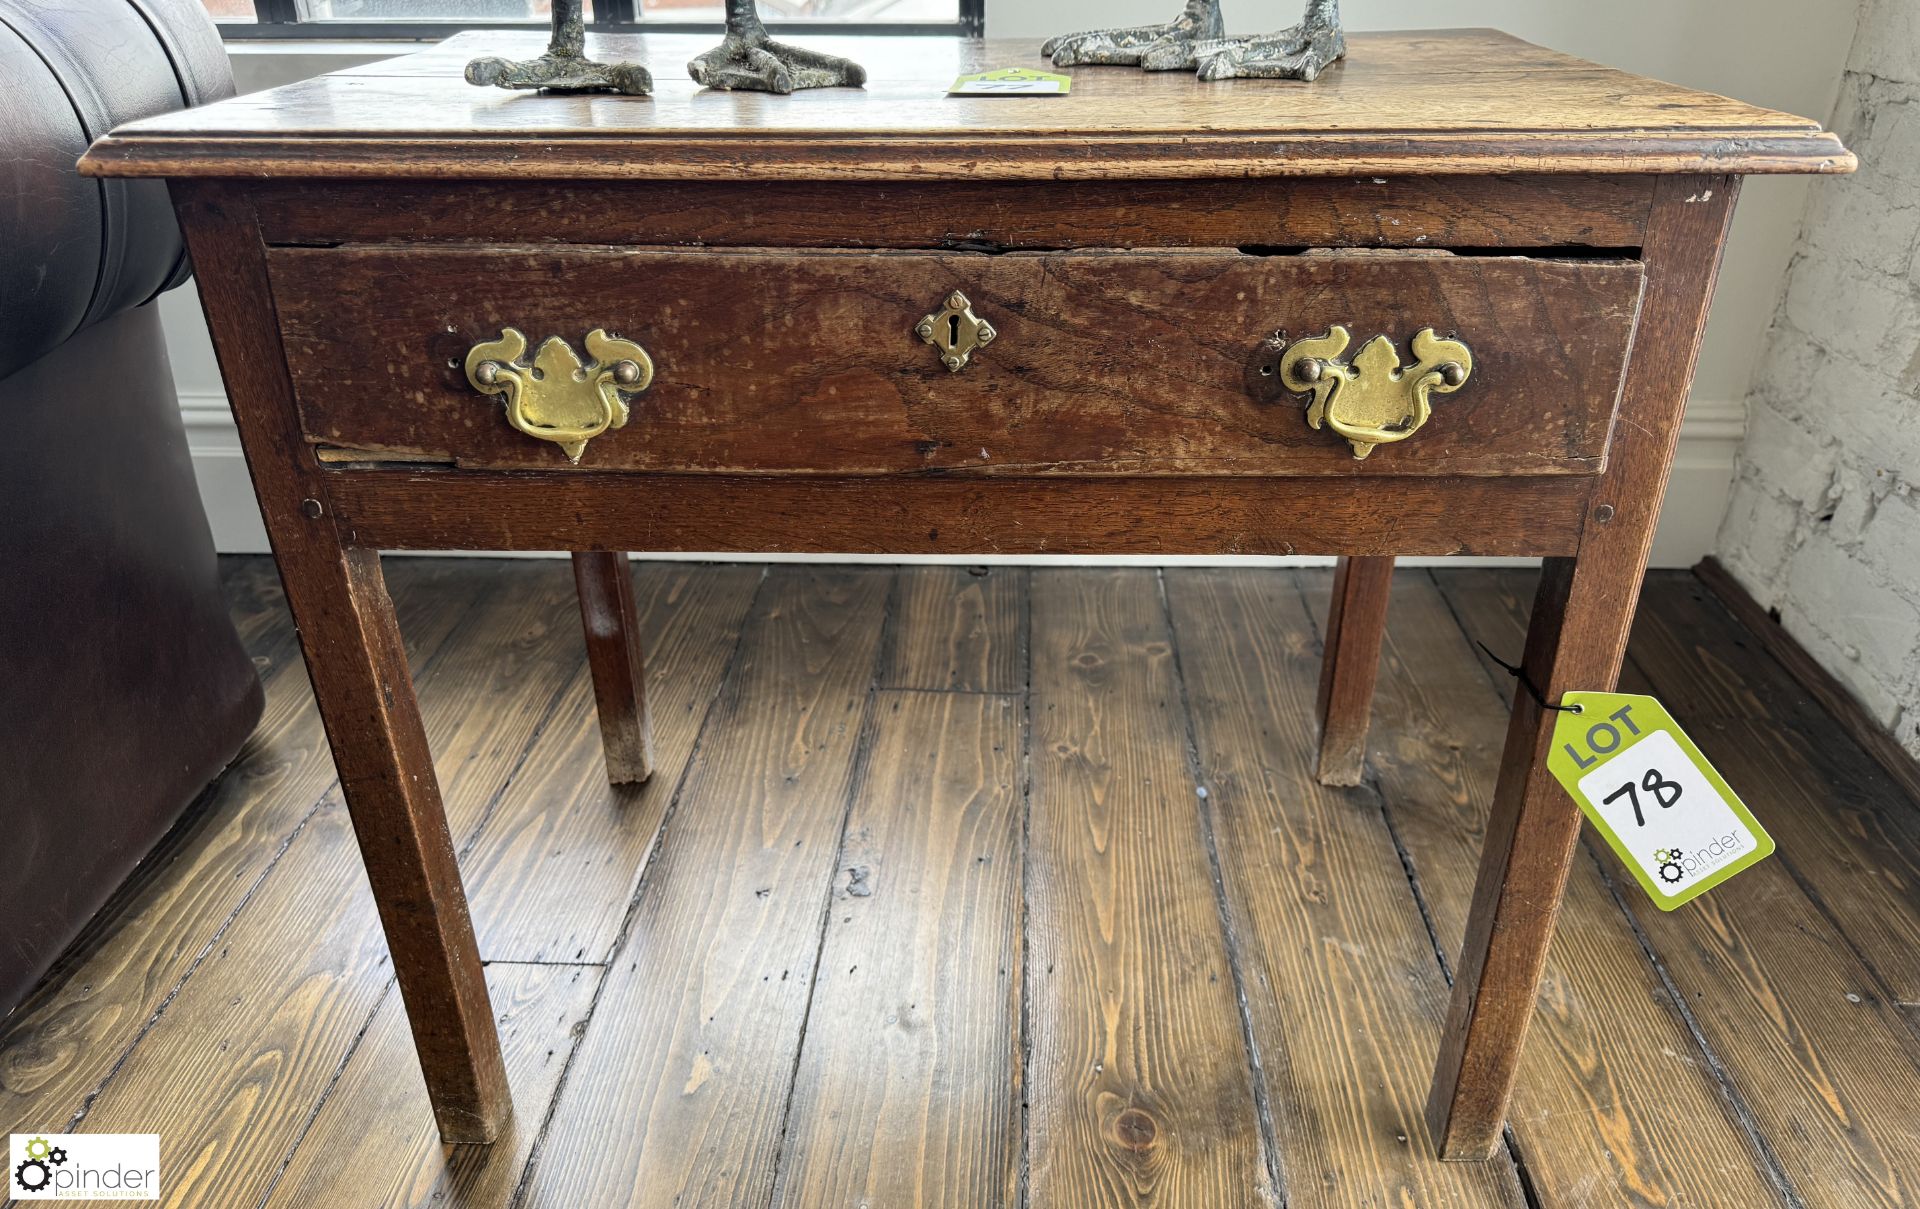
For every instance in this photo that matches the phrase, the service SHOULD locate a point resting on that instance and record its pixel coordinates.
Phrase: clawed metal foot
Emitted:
(1165, 47)
(1299, 53)
(558, 72)
(565, 67)
(749, 59)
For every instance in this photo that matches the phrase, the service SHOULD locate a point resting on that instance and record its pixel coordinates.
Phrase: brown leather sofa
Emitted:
(123, 687)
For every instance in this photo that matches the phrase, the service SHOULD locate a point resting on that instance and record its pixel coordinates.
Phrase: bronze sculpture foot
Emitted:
(1301, 52)
(1165, 47)
(558, 72)
(749, 59)
(565, 67)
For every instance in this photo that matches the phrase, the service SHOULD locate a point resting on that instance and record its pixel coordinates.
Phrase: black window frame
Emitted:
(280, 19)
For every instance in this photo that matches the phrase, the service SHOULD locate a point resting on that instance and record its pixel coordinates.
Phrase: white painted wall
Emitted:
(1824, 522)
(1788, 54)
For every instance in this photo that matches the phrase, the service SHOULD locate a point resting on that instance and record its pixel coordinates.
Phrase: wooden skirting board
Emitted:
(1820, 684)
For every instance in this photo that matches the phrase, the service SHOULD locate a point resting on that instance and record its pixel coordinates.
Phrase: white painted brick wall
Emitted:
(1823, 523)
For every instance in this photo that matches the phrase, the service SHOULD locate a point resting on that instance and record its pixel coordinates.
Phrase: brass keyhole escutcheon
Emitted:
(955, 331)
(1371, 399)
(558, 397)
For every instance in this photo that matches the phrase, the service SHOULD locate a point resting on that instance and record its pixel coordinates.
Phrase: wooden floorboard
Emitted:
(909, 1083)
(910, 1080)
(1610, 1063)
(552, 871)
(1824, 1066)
(1139, 1087)
(924, 907)
(689, 1054)
(263, 1026)
(1344, 992)
(1858, 854)
(373, 1141)
(59, 1046)
(960, 628)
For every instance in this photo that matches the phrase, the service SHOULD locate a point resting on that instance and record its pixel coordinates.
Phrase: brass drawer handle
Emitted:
(557, 397)
(955, 331)
(1370, 399)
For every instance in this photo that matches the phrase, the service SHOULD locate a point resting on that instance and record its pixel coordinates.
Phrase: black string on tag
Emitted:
(1533, 692)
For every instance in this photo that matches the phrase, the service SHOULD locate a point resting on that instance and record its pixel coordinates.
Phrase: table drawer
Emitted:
(1156, 362)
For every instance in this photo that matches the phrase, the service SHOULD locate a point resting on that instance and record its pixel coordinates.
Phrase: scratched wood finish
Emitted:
(1115, 363)
(1615, 1091)
(1468, 105)
(701, 1018)
(432, 508)
(908, 1088)
(1344, 996)
(1139, 1089)
(358, 669)
(1394, 211)
(1461, 101)
(605, 585)
(1356, 619)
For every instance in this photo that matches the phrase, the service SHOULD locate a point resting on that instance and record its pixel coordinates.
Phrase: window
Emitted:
(435, 18)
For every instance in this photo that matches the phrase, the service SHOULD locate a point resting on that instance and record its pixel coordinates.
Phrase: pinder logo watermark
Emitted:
(84, 1166)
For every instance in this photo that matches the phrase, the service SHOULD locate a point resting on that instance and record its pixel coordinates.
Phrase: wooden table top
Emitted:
(1452, 101)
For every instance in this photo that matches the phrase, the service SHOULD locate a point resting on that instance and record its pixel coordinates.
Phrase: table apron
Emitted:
(413, 507)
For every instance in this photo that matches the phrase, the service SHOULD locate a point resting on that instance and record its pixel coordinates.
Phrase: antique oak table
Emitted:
(1155, 316)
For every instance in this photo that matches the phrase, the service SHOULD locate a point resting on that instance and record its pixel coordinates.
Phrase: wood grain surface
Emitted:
(1139, 1087)
(358, 669)
(1743, 1052)
(962, 629)
(1393, 211)
(440, 508)
(567, 835)
(703, 1012)
(266, 1019)
(1115, 363)
(1576, 638)
(909, 1086)
(1356, 619)
(1343, 993)
(1771, 983)
(372, 1141)
(604, 583)
(1859, 860)
(1448, 101)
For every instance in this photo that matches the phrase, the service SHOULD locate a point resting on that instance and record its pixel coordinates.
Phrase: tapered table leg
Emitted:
(363, 687)
(607, 612)
(1529, 846)
(1577, 640)
(1356, 623)
(365, 692)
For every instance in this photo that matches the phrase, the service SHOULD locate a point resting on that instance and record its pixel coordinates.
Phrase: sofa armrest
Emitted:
(78, 251)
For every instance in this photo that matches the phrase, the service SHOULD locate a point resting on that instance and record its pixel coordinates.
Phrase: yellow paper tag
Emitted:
(1664, 810)
(1012, 82)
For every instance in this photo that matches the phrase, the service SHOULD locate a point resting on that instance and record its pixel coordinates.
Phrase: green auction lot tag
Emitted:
(1667, 813)
(1012, 82)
